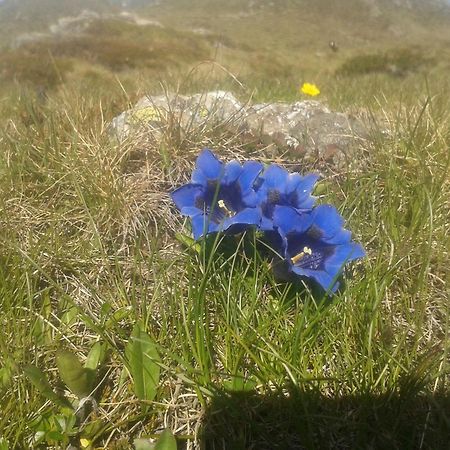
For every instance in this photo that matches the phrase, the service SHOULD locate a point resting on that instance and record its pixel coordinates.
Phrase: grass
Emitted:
(88, 251)
(396, 62)
(99, 296)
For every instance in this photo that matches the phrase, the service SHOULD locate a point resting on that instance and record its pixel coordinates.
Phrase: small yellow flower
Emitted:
(310, 89)
(85, 443)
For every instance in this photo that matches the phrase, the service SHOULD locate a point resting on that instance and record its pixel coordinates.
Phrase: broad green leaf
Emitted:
(78, 379)
(66, 422)
(143, 444)
(143, 359)
(6, 373)
(40, 382)
(54, 435)
(117, 316)
(70, 315)
(3, 444)
(39, 436)
(41, 330)
(166, 441)
(96, 356)
(321, 188)
(188, 242)
(92, 428)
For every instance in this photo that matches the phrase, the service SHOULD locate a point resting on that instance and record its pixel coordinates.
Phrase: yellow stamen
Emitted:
(306, 251)
(223, 206)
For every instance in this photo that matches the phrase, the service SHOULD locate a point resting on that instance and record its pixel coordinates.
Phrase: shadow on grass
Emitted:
(309, 420)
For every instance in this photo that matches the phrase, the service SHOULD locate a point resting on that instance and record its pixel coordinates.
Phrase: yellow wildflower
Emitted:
(85, 443)
(310, 89)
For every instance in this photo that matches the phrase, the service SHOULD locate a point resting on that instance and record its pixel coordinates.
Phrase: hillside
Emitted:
(49, 42)
(302, 20)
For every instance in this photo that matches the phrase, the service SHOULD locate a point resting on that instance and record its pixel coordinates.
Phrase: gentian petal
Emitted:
(250, 171)
(191, 211)
(202, 225)
(250, 198)
(232, 171)
(328, 220)
(357, 251)
(287, 219)
(306, 203)
(341, 237)
(302, 184)
(266, 224)
(207, 167)
(276, 177)
(302, 187)
(248, 216)
(341, 255)
(185, 195)
(327, 281)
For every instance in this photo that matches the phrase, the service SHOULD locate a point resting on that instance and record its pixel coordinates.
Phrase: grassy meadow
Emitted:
(113, 329)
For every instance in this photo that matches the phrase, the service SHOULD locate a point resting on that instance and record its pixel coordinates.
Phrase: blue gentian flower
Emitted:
(315, 244)
(276, 186)
(220, 196)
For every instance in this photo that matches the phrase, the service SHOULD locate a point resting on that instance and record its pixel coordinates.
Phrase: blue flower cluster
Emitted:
(233, 197)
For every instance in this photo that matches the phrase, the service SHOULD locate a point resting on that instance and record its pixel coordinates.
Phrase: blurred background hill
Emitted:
(278, 43)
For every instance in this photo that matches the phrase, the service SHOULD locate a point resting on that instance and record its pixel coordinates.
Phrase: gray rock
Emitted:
(304, 130)
(153, 112)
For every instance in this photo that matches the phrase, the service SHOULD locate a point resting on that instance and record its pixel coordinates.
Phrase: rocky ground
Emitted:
(303, 131)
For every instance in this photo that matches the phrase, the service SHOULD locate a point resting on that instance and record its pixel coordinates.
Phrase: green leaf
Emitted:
(70, 315)
(6, 373)
(92, 428)
(78, 379)
(40, 382)
(166, 441)
(39, 436)
(96, 356)
(188, 242)
(321, 188)
(117, 316)
(41, 330)
(143, 359)
(143, 444)
(66, 422)
(54, 435)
